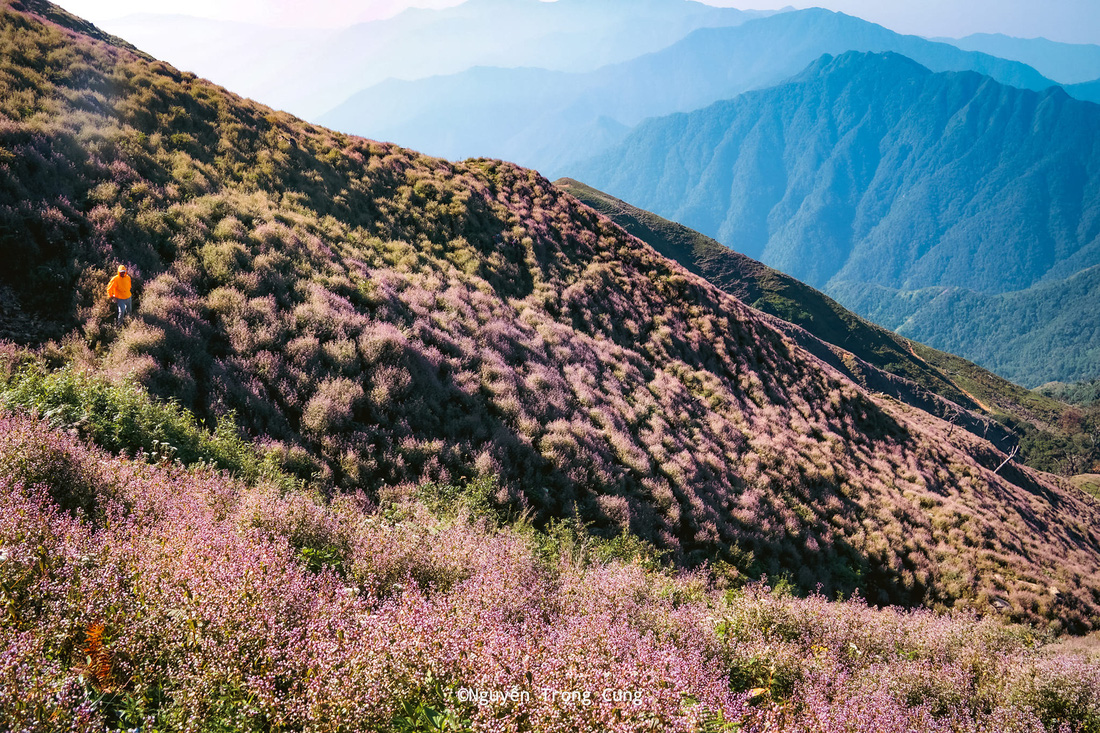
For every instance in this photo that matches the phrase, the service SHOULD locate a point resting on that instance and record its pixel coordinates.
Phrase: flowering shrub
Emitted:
(191, 606)
(194, 606)
(124, 418)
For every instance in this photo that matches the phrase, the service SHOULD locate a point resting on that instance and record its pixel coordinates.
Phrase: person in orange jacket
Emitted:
(119, 291)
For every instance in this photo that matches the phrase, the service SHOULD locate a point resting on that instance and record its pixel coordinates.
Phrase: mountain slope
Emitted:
(780, 295)
(937, 179)
(868, 354)
(545, 121)
(871, 170)
(59, 15)
(377, 318)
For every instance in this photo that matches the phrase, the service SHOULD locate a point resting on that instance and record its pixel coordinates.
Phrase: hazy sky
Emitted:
(1074, 21)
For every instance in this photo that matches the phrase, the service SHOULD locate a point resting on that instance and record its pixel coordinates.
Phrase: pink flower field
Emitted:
(370, 318)
(163, 598)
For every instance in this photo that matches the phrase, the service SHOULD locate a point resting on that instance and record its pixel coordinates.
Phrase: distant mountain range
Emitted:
(548, 120)
(1088, 91)
(871, 170)
(1075, 66)
(1066, 63)
(308, 72)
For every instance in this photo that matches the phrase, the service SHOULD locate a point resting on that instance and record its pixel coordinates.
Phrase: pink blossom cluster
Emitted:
(211, 615)
(824, 666)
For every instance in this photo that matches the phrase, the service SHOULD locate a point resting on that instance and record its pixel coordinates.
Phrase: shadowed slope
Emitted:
(378, 318)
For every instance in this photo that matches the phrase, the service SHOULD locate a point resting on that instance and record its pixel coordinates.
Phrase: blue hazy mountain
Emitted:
(308, 72)
(1066, 63)
(1089, 90)
(546, 121)
(871, 171)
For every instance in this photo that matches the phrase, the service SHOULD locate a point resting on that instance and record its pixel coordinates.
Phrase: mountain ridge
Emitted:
(710, 64)
(1067, 63)
(901, 177)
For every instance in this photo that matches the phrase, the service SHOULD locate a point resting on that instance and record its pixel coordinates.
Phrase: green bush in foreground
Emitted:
(124, 418)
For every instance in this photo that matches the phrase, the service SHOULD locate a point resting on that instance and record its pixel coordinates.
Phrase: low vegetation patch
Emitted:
(124, 419)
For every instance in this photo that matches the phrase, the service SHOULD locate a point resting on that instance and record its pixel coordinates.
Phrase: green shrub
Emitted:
(572, 539)
(430, 713)
(476, 497)
(123, 418)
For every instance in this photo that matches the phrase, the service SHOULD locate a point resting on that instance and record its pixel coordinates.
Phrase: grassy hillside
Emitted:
(1051, 437)
(377, 319)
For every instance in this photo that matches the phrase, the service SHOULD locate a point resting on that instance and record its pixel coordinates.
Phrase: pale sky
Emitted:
(1072, 21)
(289, 13)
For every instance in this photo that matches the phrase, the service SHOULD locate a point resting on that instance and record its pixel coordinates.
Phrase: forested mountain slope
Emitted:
(1048, 332)
(377, 318)
(870, 170)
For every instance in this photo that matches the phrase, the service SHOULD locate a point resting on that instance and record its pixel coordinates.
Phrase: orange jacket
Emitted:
(119, 287)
